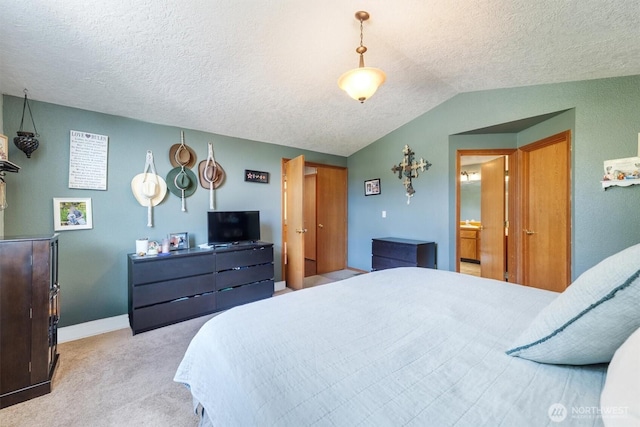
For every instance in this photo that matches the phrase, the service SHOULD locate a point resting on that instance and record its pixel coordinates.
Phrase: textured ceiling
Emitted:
(267, 70)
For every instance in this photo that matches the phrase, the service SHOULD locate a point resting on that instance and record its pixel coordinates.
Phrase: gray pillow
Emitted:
(591, 318)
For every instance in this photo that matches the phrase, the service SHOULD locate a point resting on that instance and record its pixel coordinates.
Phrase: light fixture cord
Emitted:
(362, 49)
(27, 105)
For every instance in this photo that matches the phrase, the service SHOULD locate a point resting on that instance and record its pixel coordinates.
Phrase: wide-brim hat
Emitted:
(148, 186)
(178, 181)
(205, 173)
(186, 156)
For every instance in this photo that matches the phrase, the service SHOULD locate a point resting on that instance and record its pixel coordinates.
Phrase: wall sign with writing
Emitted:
(256, 176)
(88, 160)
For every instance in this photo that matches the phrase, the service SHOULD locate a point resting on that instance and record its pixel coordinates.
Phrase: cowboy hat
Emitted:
(182, 155)
(218, 177)
(178, 181)
(148, 187)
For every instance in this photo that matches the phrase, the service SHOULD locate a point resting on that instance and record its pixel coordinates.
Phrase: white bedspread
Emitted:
(399, 347)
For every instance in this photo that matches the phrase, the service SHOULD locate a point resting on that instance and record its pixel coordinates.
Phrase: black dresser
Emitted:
(390, 252)
(165, 289)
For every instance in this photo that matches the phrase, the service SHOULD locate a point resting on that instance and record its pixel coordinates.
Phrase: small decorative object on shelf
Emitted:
(27, 141)
(409, 168)
(178, 241)
(622, 172)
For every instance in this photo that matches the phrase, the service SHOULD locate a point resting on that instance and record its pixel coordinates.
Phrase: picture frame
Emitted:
(72, 213)
(372, 187)
(256, 176)
(178, 241)
(4, 147)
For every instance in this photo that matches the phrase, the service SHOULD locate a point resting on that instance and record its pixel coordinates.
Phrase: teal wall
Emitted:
(602, 116)
(93, 272)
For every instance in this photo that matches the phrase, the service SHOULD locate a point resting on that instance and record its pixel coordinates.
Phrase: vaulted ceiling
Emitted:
(267, 70)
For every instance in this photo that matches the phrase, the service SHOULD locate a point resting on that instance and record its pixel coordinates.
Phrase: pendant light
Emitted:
(362, 82)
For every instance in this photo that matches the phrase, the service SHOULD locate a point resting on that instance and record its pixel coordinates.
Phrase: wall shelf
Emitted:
(619, 183)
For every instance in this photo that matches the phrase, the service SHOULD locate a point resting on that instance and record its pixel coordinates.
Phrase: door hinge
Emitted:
(29, 366)
(506, 224)
(506, 275)
(30, 313)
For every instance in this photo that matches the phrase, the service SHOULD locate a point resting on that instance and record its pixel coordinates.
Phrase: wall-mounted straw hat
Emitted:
(149, 188)
(182, 182)
(181, 154)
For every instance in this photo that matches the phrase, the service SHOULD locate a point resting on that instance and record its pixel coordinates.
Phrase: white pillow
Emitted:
(620, 399)
(591, 318)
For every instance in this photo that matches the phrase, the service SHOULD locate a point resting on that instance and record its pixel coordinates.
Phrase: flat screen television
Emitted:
(228, 227)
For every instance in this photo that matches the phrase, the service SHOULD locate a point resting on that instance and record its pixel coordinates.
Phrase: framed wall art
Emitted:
(178, 241)
(72, 213)
(372, 187)
(4, 147)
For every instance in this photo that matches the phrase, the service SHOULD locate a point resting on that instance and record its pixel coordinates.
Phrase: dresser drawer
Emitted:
(242, 276)
(394, 250)
(170, 267)
(243, 258)
(169, 290)
(165, 314)
(244, 294)
(382, 263)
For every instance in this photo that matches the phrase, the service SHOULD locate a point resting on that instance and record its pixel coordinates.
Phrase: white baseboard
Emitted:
(101, 326)
(95, 327)
(279, 286)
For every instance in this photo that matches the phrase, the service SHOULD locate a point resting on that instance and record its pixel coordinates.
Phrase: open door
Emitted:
(492, 208)
(294, 222)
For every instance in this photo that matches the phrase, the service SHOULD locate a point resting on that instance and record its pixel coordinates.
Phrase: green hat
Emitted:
(177, 180)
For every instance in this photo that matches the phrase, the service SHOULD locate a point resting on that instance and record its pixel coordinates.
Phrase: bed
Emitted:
(404, 347)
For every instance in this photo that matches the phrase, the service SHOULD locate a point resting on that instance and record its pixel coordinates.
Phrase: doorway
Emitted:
(314, 220)
(523, 232)
(482, 214)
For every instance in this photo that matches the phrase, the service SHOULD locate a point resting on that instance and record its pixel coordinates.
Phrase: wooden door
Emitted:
(492, 212)
(546, 219)
(294, 222)
(310, 225)
(331, 210)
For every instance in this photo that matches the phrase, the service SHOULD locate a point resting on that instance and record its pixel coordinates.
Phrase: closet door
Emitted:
(331, 208)
(546, 220)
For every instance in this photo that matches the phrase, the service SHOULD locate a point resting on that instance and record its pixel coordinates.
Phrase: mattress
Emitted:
(398, 347)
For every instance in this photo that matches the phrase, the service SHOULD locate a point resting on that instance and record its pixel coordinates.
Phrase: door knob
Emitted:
(529, 232)
(320, 226)
(301, 230)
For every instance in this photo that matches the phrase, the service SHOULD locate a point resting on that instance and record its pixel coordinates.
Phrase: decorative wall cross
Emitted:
(409, 168)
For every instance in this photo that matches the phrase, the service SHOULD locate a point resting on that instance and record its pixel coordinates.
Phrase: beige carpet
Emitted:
(322, 279)
(116, 379)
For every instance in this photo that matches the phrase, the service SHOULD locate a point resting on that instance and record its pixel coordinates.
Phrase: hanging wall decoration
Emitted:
(408, 168)
(211, 175)
(148, 187)
(27, 141)
(181, 180)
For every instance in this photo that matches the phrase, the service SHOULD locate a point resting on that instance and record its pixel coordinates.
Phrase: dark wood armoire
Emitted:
(29, 313)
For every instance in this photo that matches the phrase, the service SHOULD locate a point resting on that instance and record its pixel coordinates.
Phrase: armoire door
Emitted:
(331, 209)
(546, 213)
